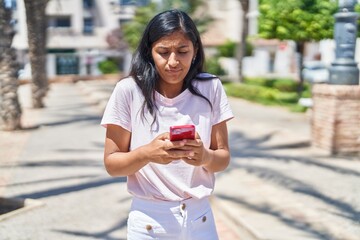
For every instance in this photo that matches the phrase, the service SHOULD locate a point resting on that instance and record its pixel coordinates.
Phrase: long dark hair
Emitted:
(143, 67)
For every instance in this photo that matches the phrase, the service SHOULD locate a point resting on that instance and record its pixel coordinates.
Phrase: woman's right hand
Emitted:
(119, 161)
(163, 151)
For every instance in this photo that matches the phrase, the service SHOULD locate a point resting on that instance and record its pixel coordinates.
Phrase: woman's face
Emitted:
(172, 55)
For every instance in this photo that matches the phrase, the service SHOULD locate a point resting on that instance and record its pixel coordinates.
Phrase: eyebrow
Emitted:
(182, 46)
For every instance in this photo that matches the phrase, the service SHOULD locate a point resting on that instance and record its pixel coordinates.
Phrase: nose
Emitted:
(172, 61)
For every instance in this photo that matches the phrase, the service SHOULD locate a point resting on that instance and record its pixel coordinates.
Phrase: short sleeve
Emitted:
(117, 110)
(221, 107)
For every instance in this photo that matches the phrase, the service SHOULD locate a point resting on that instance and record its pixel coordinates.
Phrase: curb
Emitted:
(25, 205)
(239, 228)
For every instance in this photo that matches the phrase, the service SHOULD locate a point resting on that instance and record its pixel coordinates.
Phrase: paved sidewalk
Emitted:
(277, 186)
(57, 163)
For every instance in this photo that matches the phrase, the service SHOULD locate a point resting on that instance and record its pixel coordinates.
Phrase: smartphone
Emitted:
(181, 132)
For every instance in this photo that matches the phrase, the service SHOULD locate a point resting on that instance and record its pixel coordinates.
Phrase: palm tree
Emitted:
(10, 110)
(37, 24)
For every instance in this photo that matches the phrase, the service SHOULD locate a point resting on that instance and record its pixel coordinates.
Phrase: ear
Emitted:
(195, 52)
(194, 57)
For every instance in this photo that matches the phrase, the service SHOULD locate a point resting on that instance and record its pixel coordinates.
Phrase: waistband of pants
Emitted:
(190, 204)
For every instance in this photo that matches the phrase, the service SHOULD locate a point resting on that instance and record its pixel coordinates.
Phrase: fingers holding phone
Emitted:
(193, 144)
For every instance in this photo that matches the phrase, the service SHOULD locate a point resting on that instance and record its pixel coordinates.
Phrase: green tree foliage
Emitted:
(357, 9)
(188, 6)
(133, 29)
(301, 21)
(201, 19)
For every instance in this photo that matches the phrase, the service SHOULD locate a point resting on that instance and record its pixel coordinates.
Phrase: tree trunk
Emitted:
(10, 110)
(300, 49)
(241, 48)
(37, 25)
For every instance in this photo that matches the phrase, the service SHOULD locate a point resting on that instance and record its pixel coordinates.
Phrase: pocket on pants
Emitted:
(142, 226)
(203, 226)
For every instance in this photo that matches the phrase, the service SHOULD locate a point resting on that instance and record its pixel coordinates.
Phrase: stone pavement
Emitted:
(56, 165)
(279, 187)
(276, 187)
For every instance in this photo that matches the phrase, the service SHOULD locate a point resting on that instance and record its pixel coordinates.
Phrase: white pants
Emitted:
(191, 219)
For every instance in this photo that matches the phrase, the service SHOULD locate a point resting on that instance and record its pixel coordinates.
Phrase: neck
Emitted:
(170, 91)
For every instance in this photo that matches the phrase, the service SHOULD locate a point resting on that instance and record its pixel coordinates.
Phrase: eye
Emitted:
(164, 53)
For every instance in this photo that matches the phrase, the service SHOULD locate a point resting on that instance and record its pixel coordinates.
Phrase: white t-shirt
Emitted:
(175, 181)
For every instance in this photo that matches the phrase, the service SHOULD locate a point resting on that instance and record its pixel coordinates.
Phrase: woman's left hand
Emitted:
(196, 150)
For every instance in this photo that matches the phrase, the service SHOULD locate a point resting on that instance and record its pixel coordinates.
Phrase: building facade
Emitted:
(77, 35)
(78, 32)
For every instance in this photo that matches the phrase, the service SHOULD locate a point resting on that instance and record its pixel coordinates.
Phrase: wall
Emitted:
(336, 118)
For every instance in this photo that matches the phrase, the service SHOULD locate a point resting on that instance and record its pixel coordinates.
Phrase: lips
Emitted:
(173, 70)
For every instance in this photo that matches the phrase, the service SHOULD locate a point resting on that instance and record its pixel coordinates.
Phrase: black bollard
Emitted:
(344, 70)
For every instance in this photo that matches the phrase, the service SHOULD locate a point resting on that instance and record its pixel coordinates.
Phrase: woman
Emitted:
(170, 181)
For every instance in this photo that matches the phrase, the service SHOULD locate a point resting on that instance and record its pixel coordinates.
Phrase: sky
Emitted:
(8, 3)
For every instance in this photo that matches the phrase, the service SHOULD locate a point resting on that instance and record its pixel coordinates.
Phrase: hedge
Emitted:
(281, 92)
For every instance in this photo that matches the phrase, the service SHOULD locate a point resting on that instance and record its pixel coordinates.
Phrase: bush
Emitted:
(250, 92)
(257, 92)
(108, 66)
(286, 85)
(227, 49)
(287, 97)
(283, 92)
(212, 66)
(258, 82)
(249, 48)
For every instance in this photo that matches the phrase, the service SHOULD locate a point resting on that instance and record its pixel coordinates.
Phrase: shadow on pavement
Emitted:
(98, 235)
(89, 119)
(297, 224)
(59, 163)
(243, 147)
(250, 155)
(68, 189)
(49, 180)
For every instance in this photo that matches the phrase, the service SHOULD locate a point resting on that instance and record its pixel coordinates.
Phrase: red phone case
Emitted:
(182, 132)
